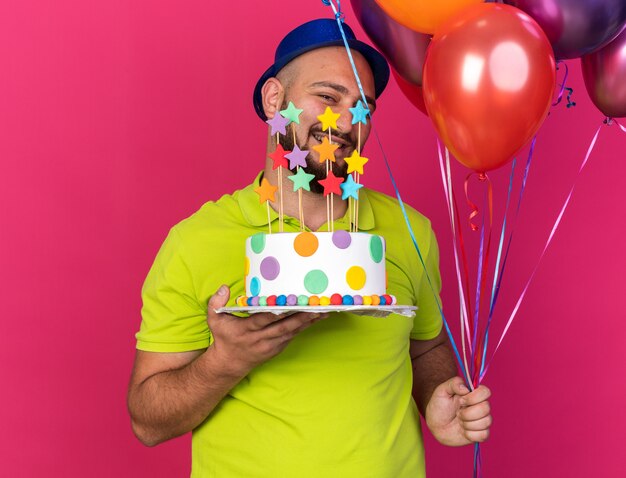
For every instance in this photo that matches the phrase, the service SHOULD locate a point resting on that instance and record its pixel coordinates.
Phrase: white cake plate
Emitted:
(369, 310)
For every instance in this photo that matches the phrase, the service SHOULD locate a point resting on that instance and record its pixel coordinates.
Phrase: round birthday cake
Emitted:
(315, 268)
(334, 268)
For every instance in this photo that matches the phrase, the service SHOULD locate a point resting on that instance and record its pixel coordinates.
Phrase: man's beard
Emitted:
(313, 166)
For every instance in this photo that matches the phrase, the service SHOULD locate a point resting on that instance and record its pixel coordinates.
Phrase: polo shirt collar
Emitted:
(256, 214)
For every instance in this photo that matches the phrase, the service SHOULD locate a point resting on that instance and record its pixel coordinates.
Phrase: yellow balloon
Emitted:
(423, 16)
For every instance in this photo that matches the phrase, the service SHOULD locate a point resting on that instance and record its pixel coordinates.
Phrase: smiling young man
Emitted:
(299, 396)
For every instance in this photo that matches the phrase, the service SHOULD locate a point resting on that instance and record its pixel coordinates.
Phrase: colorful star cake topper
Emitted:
(278, 124)
(297, 157)
(301, 180)
(326, 150)
(356, 162)
(279, 157)
(266, 191)
(359, 113)
(329, 119)
(292, 113)
(350, 188)
(331, 184)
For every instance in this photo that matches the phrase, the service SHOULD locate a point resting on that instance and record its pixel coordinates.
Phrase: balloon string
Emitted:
(477, 298)
(609, 121)
(477, 462)
(446, 181)
(570, 103)
(496, 276)
(481, 279)
(499, 270)
(338, 13)
(564, 88)
(454, 217)
(463, 254)
(472, 206)
(563, 83)
(550, 237)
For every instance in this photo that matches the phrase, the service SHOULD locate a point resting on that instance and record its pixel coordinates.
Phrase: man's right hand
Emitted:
(172, 393)
(240, 344)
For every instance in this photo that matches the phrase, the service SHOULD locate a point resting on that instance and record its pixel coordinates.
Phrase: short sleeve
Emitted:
(173, 320)
(428, 321)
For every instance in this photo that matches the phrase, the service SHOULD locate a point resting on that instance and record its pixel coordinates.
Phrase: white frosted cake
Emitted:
(315, 268)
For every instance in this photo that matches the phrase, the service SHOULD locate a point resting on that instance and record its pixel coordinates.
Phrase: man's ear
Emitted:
(273, 94)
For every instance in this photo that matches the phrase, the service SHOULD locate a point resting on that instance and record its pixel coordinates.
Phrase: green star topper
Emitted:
(301, 180)
(292, 113)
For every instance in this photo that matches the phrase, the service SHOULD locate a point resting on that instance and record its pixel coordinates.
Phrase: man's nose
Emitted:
(344, 122)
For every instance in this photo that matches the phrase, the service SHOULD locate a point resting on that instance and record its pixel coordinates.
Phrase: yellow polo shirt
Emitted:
(337, 401)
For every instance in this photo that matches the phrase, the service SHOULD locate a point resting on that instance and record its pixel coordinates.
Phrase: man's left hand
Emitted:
(456, 416)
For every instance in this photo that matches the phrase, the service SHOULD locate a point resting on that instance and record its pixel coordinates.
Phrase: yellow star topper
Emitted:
(356, 162)
(266, 191)
(326, 150)
(329, 119)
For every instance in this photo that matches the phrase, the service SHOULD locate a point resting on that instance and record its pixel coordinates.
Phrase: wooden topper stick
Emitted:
(356, 214)
(300, 208)
(280, 190)
(356, 205)
(329, 197)
(350, 213)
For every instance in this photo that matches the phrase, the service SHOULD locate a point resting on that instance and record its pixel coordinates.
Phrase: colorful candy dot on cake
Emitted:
(262, 301)
(341, 239)
(375, 299)
(281, 300)
(270, 268)
(303, 300)
(376, 248)
(305, 244)
(314, 300)
(358, 300)
(241, 301)
(383, 301)
(257, 242)
(336, 299)
(388, 299)
(367, 300)
(347, 300)
(315, 281)
(292, 299)
(249, 301)
(356, 277)
(255, 286)
(255, 301)
(394, 301)
(271, 300)
(247, 266)
(324, 300)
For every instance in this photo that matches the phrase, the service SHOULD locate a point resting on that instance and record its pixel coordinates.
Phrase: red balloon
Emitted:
(488, 83)
(412, 92)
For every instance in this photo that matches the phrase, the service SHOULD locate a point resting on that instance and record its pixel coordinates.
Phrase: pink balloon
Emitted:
(605, 77)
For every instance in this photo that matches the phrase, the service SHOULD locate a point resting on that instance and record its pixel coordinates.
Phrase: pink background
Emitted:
(118, 119)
